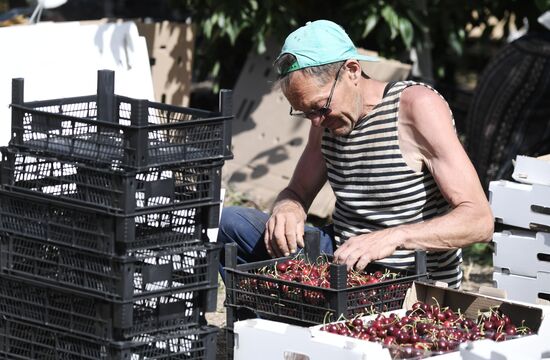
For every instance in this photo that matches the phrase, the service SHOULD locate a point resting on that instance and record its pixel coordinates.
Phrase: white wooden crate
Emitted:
(532, 170)
(524, 288)
(520, 205)
(270, 340)
(522, 253)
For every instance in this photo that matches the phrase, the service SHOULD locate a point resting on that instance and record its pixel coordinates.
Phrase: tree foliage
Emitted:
(228, 30)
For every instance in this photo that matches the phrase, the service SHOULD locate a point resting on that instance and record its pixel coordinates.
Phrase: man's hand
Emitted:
(284, 230)
(358, 251)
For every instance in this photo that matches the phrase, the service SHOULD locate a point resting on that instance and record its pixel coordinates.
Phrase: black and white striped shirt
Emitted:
(376, 189)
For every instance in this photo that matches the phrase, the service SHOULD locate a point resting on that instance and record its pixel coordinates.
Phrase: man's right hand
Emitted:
(284, 230)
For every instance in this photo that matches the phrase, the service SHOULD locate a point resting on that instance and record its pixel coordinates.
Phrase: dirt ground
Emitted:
(475, 276)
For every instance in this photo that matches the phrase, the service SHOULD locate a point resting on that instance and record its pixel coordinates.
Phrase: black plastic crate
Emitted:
(99, 319)
(114, 130)
(85, 229)
(111, 191)
(140, 274)
(20, 340)
(301, 304)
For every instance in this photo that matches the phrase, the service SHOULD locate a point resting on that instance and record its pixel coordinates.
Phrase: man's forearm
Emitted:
(461, 227)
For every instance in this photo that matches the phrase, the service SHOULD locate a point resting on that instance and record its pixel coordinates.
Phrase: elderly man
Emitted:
(391, 155)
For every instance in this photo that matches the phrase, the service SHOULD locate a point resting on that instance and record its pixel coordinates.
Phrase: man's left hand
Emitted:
(358, 251)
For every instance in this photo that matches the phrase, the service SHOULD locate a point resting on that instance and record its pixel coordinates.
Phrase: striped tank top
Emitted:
(376, 189)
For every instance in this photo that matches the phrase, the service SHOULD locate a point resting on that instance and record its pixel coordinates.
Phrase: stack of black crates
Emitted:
(104, 206)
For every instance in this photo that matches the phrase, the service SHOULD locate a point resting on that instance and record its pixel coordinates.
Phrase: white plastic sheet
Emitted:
(61, 60)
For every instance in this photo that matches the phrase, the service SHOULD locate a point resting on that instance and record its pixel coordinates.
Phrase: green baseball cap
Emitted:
(318, 43)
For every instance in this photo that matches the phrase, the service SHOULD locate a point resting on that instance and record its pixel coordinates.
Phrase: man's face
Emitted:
(307, 96)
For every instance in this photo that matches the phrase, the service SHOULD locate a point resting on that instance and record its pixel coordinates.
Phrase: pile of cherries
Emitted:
(298, 270)
(428, 330)
(318, 274)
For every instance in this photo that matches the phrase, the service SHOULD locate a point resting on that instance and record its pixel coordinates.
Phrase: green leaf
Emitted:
(221, 21)
(232, 32)
(455, 44)
(207, 28)
(389, 14)
(261, 48)
(480, 248)
(216, 68)
(370, 23)
(406, 31)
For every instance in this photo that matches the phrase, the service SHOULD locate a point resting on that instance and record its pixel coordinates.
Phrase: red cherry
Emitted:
(282, 267)
(358, 323)
(510, 330)
(388, 340)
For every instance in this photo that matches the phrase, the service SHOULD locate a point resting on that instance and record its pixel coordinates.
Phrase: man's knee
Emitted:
(237, 221)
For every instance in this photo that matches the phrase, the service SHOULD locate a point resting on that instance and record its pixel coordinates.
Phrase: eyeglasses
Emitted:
(323, 111)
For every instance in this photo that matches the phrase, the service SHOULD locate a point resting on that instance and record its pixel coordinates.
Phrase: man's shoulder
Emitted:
(419, 95)
(417, 91)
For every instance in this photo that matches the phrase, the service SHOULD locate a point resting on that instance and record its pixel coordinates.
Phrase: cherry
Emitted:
(282, 267)
(442, 344)
(452, 344)
(469, 324)
(402, 337)
(388, 340)
(381, 333)
(376, 325)
(488, 325)
(414, 338)
(510, 330)
(332, 328)
(358, 323)
(449, 314)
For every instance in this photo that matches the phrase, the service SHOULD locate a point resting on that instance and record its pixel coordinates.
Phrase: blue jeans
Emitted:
(246, 227)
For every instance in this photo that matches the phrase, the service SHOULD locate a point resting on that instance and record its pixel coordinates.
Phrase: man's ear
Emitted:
(353, 68)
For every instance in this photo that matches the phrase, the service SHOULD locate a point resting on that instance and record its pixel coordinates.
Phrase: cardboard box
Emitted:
(271, 340)
(534, 290)
(470, 304)
(384, 69)
(171, 47)
(521, 205)
(522, 252)
(532, 170)
(276, 341)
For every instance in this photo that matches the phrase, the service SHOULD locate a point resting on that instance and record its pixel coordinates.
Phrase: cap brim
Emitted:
(298, 65)
(365, 58)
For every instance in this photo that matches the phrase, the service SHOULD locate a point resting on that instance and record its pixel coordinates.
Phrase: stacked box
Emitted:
(521, 255)
(105, 202)
(277, 340)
